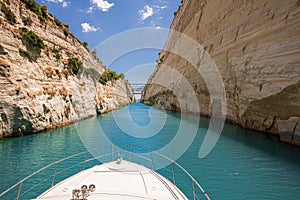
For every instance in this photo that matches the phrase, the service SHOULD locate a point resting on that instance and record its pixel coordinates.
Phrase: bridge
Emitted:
(138, 87)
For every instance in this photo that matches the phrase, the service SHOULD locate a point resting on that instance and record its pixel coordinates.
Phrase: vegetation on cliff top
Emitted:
(110, 75)
(9, 15)
(107, 75)
(34, 44)
(43, 15)
(40, 11)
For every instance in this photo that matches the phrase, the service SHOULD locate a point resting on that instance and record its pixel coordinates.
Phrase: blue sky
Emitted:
(94, 21)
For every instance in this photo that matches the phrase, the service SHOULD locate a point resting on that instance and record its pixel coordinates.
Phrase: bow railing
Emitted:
(41, 180)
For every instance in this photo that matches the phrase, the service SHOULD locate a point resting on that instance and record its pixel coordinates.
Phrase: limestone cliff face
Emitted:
(50, 84)
(256, 47)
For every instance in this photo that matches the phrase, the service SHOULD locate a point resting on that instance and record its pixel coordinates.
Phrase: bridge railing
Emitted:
(137, 87)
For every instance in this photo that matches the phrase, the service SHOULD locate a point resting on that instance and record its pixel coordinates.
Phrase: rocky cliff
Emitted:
(48, 78)
(256, 48)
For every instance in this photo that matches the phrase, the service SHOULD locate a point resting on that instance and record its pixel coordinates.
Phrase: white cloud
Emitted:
(63, 2)
(89, 10)
(101, 5)
(146, 12)
(86, 28)
(55, 1)
(160, 7)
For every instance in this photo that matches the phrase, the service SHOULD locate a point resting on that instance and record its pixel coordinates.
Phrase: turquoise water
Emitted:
(243, 164)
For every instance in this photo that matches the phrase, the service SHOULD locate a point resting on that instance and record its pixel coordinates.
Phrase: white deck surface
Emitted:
(124, 181)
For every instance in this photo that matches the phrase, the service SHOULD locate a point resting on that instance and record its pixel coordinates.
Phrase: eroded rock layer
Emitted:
(47, 77)
(256, 48)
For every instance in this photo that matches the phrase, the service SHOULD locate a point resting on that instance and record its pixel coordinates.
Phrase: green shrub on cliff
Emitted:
(85, 44)
(9, 15)
(56, 52)
(94, 53)
(66, 26)
(27, 21)
(28, 55)
(33, 44)
(40, 11)
(109, 75)
(121, 76)
(31, 5)
(74, 65)
(30, 39)
(66, 32)
(44, 12)
(57, 22)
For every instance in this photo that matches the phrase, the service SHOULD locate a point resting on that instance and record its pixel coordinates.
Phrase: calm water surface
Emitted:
(243, 164)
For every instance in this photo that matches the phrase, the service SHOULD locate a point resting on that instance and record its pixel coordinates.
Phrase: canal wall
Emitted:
(48, 78)
(255, 46)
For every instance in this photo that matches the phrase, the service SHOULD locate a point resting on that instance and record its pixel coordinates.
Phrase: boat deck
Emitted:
(117, 180)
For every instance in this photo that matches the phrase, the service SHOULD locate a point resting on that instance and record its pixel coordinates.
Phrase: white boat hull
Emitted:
(125, 180)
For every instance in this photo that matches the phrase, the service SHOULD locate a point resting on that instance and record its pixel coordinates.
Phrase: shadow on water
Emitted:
(265, 142)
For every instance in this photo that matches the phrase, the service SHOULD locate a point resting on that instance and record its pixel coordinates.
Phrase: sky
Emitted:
(95, 21)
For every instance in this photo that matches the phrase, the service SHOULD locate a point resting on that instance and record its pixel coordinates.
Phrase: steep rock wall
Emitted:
(256, 47)
(37, 89)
